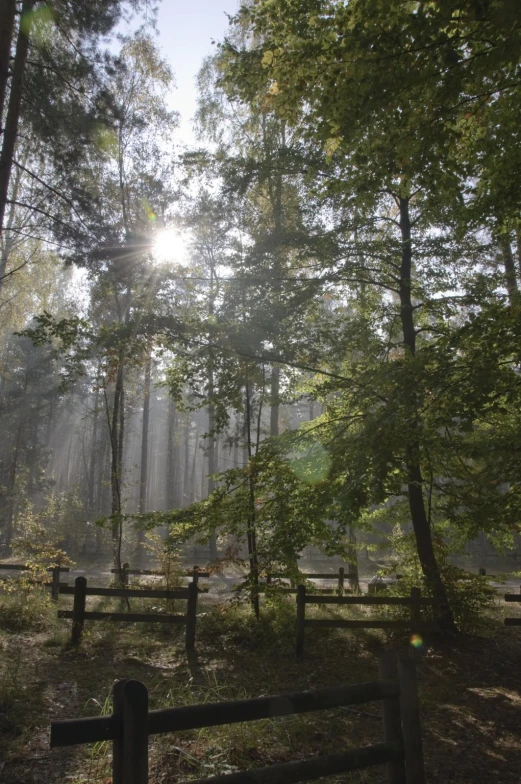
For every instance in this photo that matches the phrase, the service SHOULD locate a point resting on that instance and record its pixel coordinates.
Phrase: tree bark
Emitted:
(274, 397)
(510, 268)
(212, 468)
(518, 247)
(93, 456)
(7, 241)
(186, 470)
(171, 468)
(142, 507)
(13, 112)
(420, 522)
(143, 478)
(251, 532)
(7, 16)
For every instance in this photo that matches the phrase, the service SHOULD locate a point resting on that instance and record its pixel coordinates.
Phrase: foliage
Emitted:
(471, 595)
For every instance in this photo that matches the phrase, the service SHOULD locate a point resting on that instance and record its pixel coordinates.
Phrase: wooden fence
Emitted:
(54, 582)
(79, 615)
(513, 597)
(131, 724)
(414, 625)
(339, 578)
(126, 571)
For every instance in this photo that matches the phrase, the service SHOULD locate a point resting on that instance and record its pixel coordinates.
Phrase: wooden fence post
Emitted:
(301, 616)
(195, 575)
(191, 616)
(392, 719)
(78, 610)
(341, 581)
(410, 710)
(135, 733)
(55, 588)
(117, 743)
(415, 611)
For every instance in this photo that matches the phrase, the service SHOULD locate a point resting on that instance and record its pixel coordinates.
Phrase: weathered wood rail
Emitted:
(196, 573)
(513, 597)
(415, 602)
(132, 723)
(79, 614)
(339, 577)
(54, 582)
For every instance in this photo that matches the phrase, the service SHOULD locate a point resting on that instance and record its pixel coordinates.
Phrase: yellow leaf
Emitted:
(267, 58)
(332, 144)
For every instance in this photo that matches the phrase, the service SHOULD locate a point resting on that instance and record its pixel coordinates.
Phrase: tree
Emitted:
(383, 89)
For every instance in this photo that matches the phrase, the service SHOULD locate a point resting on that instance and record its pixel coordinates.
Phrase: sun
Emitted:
(170, 245)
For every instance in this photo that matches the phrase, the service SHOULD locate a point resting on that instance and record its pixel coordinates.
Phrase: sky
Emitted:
(186, 30)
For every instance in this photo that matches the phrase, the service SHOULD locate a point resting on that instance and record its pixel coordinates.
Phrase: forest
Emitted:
(293, 342)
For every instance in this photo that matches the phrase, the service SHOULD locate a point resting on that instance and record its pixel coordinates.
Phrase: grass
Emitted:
(469, 692)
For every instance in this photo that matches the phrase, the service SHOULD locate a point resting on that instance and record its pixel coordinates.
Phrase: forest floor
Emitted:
(470, 691)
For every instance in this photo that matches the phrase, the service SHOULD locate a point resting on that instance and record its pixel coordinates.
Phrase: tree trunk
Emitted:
(93, 456)
(194, 463)
(420, 522)
(11, 484)
(171, 468)
(13, 112)
(7, 16)
(7, 241)
(352, 563)
(212, 468)
(518, 244)
(186, 470)
(143, 479)
(251, 532)
(116, 444)
(274, 396)
(510, 268)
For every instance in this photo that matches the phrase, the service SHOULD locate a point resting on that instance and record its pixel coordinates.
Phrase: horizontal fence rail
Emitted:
(339, 577)
(54, 582)
(126, 571)
(79, 614)
(415, 602)
(131, 724)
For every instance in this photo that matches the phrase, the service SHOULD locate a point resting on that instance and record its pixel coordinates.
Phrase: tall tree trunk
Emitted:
(116, 429)
(518, 247)
(420, 522)
(212, 468)
(93, 456)
(143, 479)
(251, 532)
(194, 464)
(7, 239)
(186, 470)
(13, 111)
(11, 484)
(171, 468)
(275, 188)
(352, 561)
(510, 268)
(274, 395)
(7, 16)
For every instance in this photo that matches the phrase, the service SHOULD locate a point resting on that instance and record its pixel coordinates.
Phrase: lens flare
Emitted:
(311, 466)
(417, 641)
